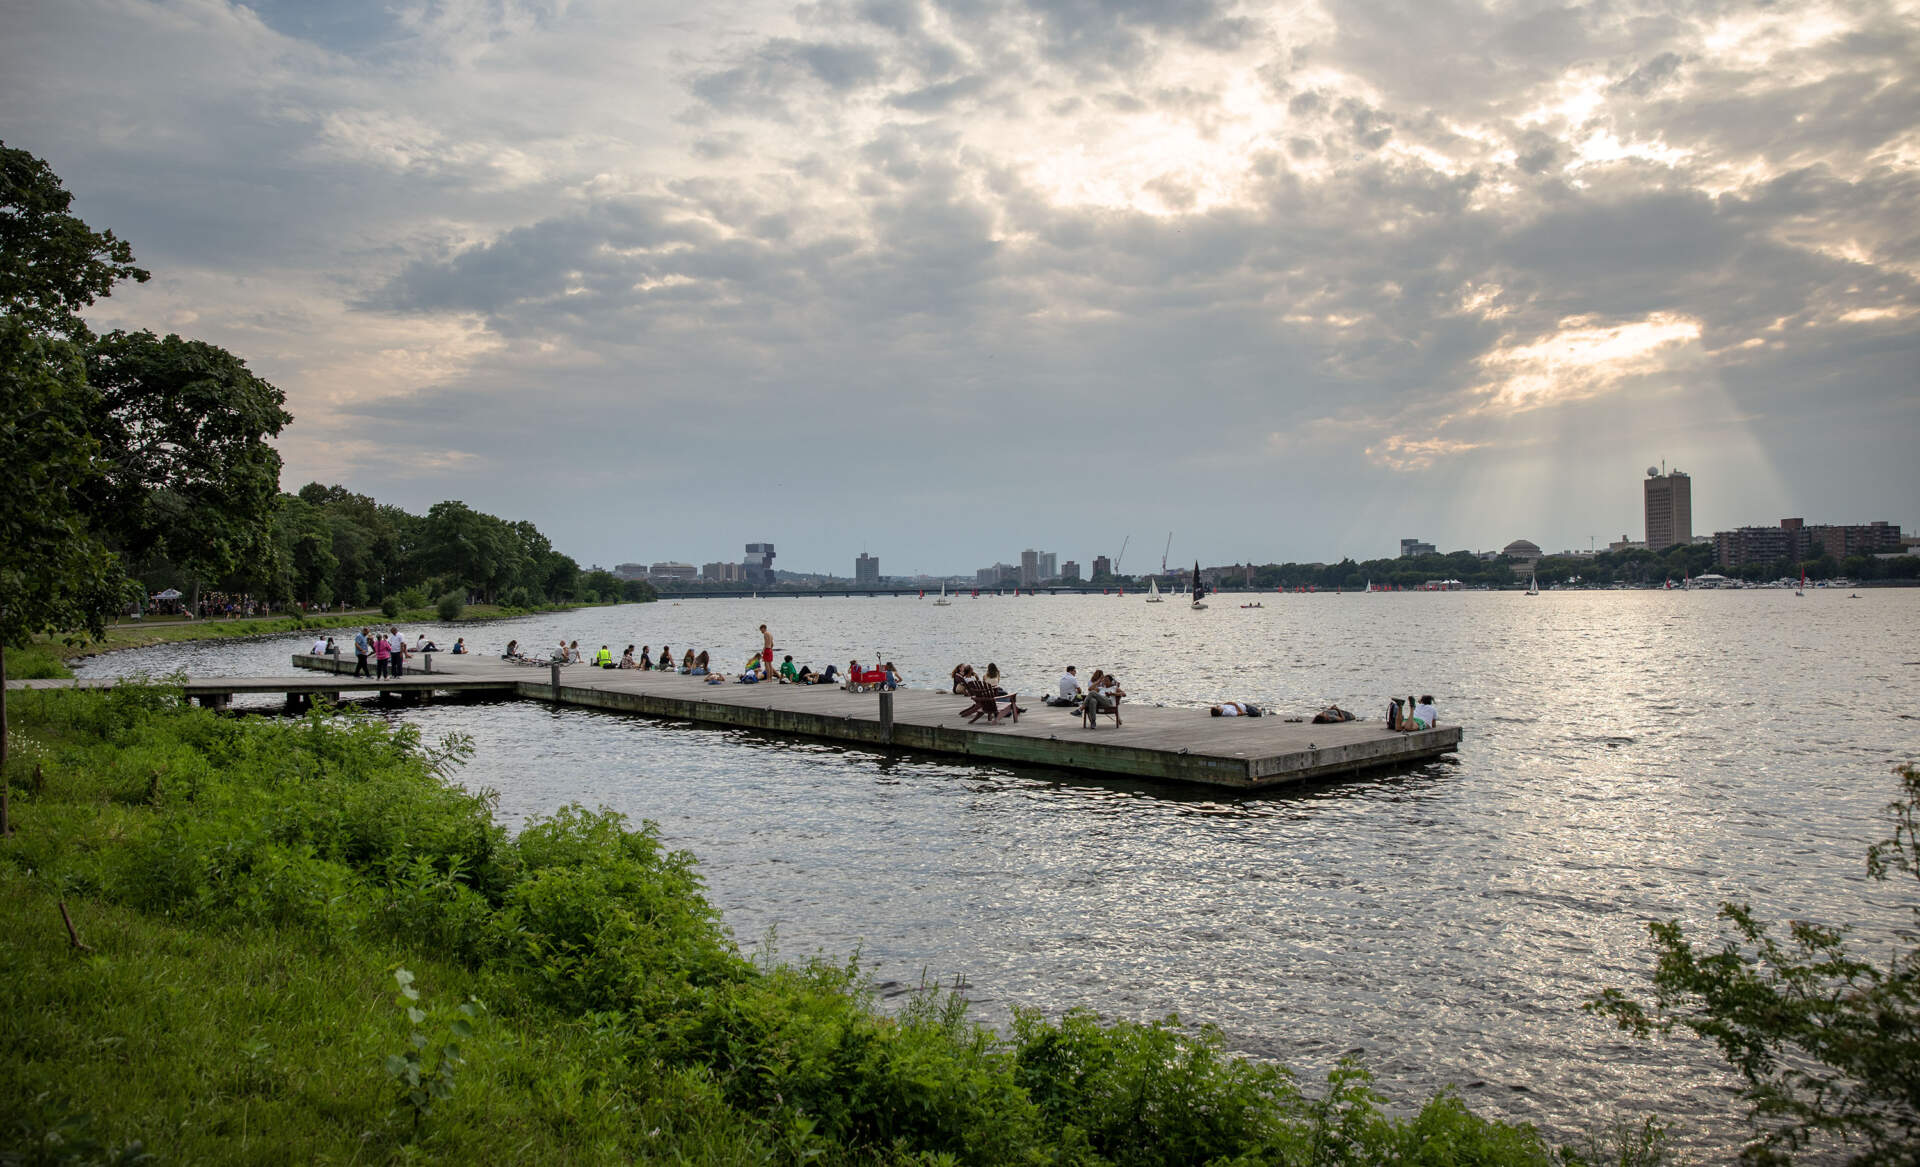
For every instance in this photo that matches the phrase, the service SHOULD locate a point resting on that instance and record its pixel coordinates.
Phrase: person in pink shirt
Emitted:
(382, 653)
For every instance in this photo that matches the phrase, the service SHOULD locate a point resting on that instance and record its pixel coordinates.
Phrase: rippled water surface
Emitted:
(1628, 756)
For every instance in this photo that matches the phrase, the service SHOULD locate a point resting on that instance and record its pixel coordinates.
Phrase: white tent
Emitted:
(169, 594)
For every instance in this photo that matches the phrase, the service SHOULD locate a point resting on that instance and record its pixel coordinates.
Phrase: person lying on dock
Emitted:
(1331, 715)
(752, 675)
(1424, 715)
(1235, 709)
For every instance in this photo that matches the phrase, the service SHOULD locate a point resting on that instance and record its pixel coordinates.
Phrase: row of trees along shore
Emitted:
(1634, 567)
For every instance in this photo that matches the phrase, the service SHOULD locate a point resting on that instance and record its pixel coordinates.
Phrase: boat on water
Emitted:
(1199, 589)
(1153, 592)
(1533, 584)
(943, 601)
(1255, 604)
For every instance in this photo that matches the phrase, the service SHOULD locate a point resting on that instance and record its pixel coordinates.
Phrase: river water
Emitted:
(1628, 756)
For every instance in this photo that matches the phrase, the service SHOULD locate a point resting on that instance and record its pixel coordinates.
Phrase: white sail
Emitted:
(943, 601)
(1153, 591)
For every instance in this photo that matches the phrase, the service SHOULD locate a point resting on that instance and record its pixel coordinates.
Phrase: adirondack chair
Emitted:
(1091, 711)
(988, 704)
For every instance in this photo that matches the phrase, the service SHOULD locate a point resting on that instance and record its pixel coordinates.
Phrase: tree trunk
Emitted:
(4, 784)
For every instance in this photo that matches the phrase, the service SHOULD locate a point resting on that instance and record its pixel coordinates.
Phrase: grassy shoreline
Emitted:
(251, 887)
(50, 656)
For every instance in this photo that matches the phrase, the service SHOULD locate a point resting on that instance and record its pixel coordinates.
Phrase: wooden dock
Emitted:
(1173, 745)
(219, 692)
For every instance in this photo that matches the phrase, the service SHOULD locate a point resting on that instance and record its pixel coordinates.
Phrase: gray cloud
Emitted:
(1038, 242)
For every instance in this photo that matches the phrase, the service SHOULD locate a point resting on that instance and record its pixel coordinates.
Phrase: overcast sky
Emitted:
(946, 279)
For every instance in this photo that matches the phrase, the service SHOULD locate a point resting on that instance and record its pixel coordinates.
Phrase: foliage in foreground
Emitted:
(1827, 1042)
(250, 887)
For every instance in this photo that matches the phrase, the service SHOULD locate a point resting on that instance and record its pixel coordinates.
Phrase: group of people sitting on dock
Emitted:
(1101, 694)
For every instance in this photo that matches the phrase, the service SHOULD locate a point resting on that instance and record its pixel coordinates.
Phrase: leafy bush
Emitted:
(449, 607)
(390, 607)
(1828, 1043)
(520, 598)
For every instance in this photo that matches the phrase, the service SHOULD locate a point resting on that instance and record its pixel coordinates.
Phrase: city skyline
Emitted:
(1261, 274)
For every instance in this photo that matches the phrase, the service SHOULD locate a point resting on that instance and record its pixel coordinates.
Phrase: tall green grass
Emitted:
(249, 888)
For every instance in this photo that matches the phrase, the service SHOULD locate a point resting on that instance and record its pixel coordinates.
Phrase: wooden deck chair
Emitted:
(988, 704)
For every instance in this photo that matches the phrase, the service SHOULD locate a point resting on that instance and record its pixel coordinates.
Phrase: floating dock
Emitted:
(1169, 745)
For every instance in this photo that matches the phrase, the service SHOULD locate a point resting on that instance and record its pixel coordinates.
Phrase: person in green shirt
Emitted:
(788, 673)
(603, 658)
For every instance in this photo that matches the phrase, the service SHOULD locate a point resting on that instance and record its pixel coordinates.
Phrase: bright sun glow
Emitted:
(1583, 359)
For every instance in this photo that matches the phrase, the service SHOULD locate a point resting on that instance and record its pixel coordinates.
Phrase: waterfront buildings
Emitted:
(1524, 552)
(1102, 566)
(866, 569)
(1070, 572)
(1669, 505)
(1412, 547)
(1029, 568)
(671, 570)
(1793, 540)
(721, 573)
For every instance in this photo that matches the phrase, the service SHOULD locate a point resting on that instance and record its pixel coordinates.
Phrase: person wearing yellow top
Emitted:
(603, 658)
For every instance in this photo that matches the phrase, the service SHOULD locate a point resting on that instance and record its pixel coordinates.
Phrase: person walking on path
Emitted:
(362, 649)
(766, 652)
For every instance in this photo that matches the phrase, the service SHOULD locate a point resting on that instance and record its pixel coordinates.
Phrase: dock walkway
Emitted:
(1174, 745)
(1170, 745)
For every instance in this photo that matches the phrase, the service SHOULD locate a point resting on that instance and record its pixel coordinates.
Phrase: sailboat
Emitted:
(943, 601)
(1153, 591)
(1199, 589)
(1533, 584)
(1802, 589)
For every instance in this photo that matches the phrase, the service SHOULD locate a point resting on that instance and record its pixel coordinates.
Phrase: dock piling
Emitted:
(886, 716)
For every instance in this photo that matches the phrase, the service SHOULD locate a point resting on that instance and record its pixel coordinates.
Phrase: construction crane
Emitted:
(1122, 555)
(1163, 553)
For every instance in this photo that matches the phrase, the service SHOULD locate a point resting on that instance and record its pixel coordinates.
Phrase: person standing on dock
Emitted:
(362, 649)
(396, 650)
(766, 652)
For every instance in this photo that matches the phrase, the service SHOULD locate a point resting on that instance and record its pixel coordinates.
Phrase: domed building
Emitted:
(1524, 553)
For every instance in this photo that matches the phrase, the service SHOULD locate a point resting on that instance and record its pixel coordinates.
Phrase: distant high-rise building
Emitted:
(987, 577)
(1102, 566)
(1669, 498)
(1029, 568)
(866, 569)
(1412, 547)
(630, 570)
(720, 572)
(1049, 565)
(757, 570)
(1070, 571)
(670, 570)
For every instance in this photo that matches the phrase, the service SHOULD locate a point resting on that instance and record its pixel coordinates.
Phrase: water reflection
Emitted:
(1628, 757)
